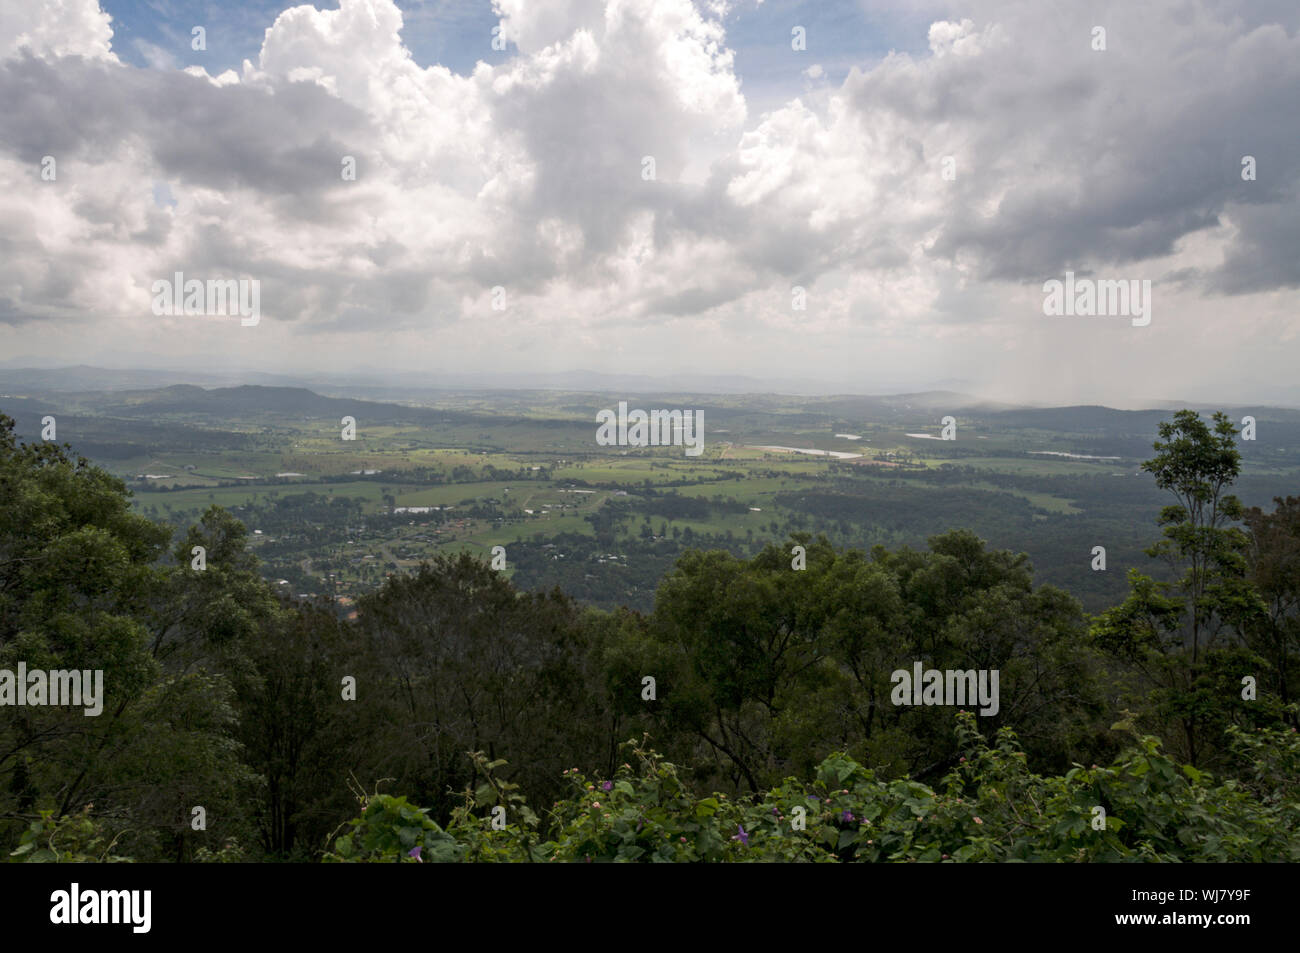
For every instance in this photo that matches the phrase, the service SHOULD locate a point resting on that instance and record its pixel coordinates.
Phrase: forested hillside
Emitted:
(751, 714)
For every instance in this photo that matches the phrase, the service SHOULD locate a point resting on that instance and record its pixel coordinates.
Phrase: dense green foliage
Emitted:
(463, 694)
(989, 807)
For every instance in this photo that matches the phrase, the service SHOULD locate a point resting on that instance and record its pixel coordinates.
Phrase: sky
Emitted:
(872, 196)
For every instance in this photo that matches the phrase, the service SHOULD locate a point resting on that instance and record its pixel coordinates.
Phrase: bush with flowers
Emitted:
(1143, 807)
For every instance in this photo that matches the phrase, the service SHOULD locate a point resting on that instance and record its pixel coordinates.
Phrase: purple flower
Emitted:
(415, 852)
(774, 812)
(607, 785)
(742, 836)
(846, 816)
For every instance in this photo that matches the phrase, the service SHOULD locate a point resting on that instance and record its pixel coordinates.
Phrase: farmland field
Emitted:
(440, 472)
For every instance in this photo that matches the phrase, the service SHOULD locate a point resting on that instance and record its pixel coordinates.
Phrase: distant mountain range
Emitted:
(379, 383)
(178, 391)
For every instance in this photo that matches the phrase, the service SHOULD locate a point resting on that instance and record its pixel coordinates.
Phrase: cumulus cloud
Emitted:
(529, 172)
(56, 28)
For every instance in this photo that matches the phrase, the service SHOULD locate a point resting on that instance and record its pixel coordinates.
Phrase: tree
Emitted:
(771, 668)
(1274, 569)
(458, 660)
(81, 578)
(205, 616)
(1183, 634)
(299, 736)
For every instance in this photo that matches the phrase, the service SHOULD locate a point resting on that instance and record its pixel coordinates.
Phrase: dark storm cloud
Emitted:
(289, 144)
